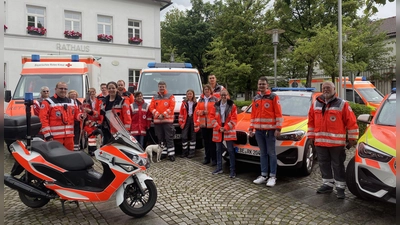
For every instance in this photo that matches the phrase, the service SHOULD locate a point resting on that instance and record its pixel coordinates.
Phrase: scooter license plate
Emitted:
(248, 151)
(177, 136)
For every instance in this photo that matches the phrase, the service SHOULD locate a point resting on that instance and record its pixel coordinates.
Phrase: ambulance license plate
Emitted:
(248, 151)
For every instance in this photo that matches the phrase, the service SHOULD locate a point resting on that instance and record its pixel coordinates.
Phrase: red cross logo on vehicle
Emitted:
(68, 65)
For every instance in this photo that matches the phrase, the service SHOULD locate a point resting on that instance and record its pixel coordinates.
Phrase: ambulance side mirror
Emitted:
(365, 118)
(7, 96)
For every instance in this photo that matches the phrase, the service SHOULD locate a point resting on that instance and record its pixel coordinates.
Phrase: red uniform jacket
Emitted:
(328, 122)
(57, 116)
(121, 108)
(141, 118)
(163, 104)
(266, 112)
(202, 112)
(230, 116)
(183, 113)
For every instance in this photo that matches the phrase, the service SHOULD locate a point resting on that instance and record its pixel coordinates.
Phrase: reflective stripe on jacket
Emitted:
(266, 112)
(230, 122)
(141, 118)
(202, 112)
(328, 122)
(57, 116)
(184, 111)
(163, 104)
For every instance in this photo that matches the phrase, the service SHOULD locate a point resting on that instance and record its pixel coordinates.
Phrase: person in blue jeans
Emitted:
(266, 123)
(224, 122)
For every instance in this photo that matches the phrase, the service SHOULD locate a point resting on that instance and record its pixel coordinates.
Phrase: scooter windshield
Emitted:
(119, 133)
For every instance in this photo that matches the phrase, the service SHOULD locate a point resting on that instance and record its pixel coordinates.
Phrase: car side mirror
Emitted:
(7, 96)
(365, 118)
(244, 108)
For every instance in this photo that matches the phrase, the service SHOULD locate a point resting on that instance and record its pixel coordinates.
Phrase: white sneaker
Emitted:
(260, 180)
(271, 182)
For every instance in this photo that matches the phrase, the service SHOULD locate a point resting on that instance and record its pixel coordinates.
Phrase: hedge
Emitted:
(358, 109)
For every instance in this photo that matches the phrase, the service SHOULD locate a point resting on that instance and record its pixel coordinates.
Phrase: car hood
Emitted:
(291, 123)
(382, 138)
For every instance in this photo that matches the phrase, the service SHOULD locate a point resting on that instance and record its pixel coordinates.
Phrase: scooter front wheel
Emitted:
(137, 205)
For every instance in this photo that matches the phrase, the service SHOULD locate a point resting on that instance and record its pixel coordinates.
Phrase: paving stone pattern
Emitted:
(189, 194)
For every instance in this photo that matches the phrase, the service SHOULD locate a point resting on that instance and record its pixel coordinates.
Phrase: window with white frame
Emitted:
(134, 28)
(72, 21)
(36, 16)
(133, 77)
(104, 24)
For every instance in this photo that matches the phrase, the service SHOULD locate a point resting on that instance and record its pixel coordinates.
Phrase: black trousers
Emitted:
(209, 145)
(331, 163)
(77, 133)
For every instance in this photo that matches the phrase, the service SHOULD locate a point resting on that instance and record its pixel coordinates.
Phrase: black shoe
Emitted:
(182, 156)
(213, 163)
(190, 156)
(206, 162)
(232, 175)
(172, 158)
(163, 156)
(340, 193)
(324, 189)
(217, 171)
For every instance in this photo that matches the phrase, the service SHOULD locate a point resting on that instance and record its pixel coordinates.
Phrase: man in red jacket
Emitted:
(266, 120)
(129, 98)
(57, 115)
(162, 107)
(329, 119)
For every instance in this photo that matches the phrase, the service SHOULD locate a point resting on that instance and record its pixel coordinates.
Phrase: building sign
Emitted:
(72, 47)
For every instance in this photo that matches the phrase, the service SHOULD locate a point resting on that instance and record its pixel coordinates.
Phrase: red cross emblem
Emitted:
(100, 152)
(69, 64)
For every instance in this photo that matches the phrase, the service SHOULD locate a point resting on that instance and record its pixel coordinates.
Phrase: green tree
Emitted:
(298, 18)
(188, 34)
(239, 28)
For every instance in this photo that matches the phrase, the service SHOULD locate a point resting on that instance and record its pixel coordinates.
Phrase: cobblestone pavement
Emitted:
(189, 194)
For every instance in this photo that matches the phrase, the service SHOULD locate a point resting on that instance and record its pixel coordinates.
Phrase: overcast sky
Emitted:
(386, 11)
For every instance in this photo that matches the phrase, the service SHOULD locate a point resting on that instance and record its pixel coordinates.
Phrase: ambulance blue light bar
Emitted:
(394, 90)
(74, 58)
(35, 58)
(292, 89)
(169, 65)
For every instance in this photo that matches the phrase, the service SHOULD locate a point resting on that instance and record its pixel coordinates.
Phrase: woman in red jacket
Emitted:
(224, 123)
(187, 125)
(117, 104)
(202, 120)
(141, 118)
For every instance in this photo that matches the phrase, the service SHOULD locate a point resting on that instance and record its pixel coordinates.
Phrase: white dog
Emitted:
(154, 148)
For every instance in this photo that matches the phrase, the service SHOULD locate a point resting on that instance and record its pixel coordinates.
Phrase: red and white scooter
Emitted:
(47, 170)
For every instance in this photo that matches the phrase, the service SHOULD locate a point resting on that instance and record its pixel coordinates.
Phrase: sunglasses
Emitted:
(65, 89)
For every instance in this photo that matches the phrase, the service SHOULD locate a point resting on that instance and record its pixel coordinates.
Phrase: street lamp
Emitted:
(275, 36)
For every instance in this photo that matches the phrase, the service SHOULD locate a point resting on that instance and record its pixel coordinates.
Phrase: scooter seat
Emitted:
(54, 152)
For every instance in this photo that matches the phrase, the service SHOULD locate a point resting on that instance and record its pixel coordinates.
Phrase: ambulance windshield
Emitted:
(33, 83)
(177, 82)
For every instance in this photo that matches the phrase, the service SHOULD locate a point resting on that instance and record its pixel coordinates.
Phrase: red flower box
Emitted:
(36, 31)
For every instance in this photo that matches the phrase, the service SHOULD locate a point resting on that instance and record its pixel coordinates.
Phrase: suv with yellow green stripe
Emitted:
(371, 173)
(293, 149)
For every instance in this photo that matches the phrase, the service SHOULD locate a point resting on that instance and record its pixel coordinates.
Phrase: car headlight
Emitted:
(291, 136)
(369, 152)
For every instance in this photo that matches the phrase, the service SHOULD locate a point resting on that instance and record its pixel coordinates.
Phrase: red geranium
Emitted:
(135, 39)
(104, 37)
(41, 30)
(71, 33)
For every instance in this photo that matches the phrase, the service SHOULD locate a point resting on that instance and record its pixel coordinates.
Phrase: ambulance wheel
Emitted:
(308, 158)
(351, 180)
